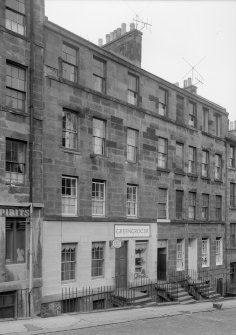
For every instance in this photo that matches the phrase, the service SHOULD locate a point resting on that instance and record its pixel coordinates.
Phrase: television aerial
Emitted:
(196, 77)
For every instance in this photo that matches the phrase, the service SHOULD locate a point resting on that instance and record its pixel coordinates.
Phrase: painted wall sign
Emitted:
(14, 212)
(131, 231)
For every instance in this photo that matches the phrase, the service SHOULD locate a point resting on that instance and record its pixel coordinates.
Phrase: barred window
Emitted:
(69, 196)
(15, 161)
(69, 63)
(68, 261)
(205, 252)
(162, 153)
(69, 130)
(132, 200)
(98, 259)
(15, 240)
(15, 18)
(98, 198)
(132, 145)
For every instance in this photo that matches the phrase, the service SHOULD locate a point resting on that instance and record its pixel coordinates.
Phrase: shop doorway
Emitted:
(161, 263)
(121, 265)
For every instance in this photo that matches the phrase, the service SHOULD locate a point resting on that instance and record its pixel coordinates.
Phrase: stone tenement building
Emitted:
(113, 153)
(21, 106)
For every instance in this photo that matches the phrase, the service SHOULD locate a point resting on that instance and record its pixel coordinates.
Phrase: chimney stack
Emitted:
(107, 38)
(123, 28)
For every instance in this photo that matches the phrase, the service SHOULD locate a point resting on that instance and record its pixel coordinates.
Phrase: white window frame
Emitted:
(69, 66)
(133, 92)
(132, 199)
(15, 86)
(68, 264)
(205, 252)
(205, 206)
(98, 197)
(99, 75)
(192, 114)
(132, 145)
(69, 199)
(180, 255)
(15, 162)
(99, 261)
(219, 251)
(99, 135)
(162, 106)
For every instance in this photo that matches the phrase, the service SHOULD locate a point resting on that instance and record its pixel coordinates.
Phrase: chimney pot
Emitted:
(111, 36)
(118, 32)
(132, 26)
(123, 28)
(185, 83)
(114, 34)
(100, 42)
(107, 38)
(189, 81)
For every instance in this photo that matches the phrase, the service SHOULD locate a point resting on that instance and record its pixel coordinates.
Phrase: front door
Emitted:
(161, 263)
(121, 265)
(192, 257)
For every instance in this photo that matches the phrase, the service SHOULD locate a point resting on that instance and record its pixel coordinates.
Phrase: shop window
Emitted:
(69, 63)
(98, 259)
(68, 261)
(205, 252)
(98, 136)
(205, 206)
(69, 130)
(132, 145)
(162, 153)
(15, 16)
(162, 108)
(180, 255)
(98, 198)
(15, 240)
(99, 80)
(132, 200)
(15, 162)
(219, 251)
(15, 87)
(205, 163)
(140, 258)
(132, 93)
(192, 160)
(162, 210)
(69, 196)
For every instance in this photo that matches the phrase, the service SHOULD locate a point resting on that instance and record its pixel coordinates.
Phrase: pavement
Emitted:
(75, 321)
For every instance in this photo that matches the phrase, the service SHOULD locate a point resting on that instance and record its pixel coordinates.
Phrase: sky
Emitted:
(184, 35)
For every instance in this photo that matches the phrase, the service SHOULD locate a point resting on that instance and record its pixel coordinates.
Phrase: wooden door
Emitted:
(121, 265)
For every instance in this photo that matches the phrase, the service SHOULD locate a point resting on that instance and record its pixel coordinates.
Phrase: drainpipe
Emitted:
(226, 247)
(31, 110)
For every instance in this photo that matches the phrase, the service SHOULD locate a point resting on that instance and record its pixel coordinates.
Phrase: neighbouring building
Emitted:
(21, 107)
(125, 173)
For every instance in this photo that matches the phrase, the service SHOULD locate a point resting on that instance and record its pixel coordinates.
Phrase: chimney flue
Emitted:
(100, 42)
(123, 28)
(132, 26)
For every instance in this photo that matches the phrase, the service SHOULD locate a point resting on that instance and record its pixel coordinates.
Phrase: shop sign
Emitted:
(129, 231)
(116, 244)
(14, 212)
